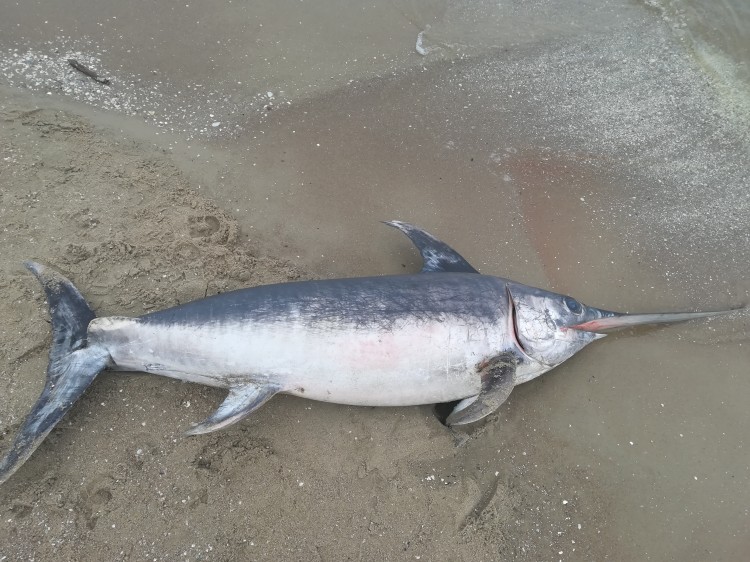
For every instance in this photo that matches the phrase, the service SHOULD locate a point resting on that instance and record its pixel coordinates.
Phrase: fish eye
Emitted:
(573, 305)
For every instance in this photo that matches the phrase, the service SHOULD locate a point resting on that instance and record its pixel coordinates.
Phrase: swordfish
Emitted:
(444, 335)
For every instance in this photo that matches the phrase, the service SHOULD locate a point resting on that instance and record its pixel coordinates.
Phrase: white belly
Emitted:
(411, 363)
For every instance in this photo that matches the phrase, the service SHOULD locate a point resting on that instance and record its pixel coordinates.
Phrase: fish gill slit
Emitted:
(514, 322)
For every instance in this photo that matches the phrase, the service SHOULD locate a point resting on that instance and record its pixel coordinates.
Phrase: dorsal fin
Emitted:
(437, 256)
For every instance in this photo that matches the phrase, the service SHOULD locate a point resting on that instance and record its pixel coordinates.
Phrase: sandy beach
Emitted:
(603, 162)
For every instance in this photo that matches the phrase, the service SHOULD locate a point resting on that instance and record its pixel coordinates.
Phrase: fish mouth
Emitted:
(513, 323)
(613, 320)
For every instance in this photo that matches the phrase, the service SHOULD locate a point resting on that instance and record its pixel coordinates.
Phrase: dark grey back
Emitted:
(354, 301)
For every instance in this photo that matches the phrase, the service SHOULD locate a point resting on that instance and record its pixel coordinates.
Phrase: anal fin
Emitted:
(497, 383)
(239, 403)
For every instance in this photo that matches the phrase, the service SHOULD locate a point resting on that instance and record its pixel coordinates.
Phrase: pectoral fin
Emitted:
(497, 382)
(239, 403)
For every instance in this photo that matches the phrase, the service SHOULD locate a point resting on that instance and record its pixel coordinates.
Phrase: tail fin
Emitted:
(72, 366)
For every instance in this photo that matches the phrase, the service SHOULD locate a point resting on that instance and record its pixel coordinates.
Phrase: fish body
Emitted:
(445, 335)
(374, 341)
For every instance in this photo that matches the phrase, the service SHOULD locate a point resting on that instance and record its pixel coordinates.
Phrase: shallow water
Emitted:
(717, 33)
(594, 148)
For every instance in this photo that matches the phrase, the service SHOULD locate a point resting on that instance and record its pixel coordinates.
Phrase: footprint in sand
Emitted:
(203, 226)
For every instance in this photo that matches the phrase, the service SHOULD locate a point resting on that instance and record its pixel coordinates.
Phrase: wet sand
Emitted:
(579, 163)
